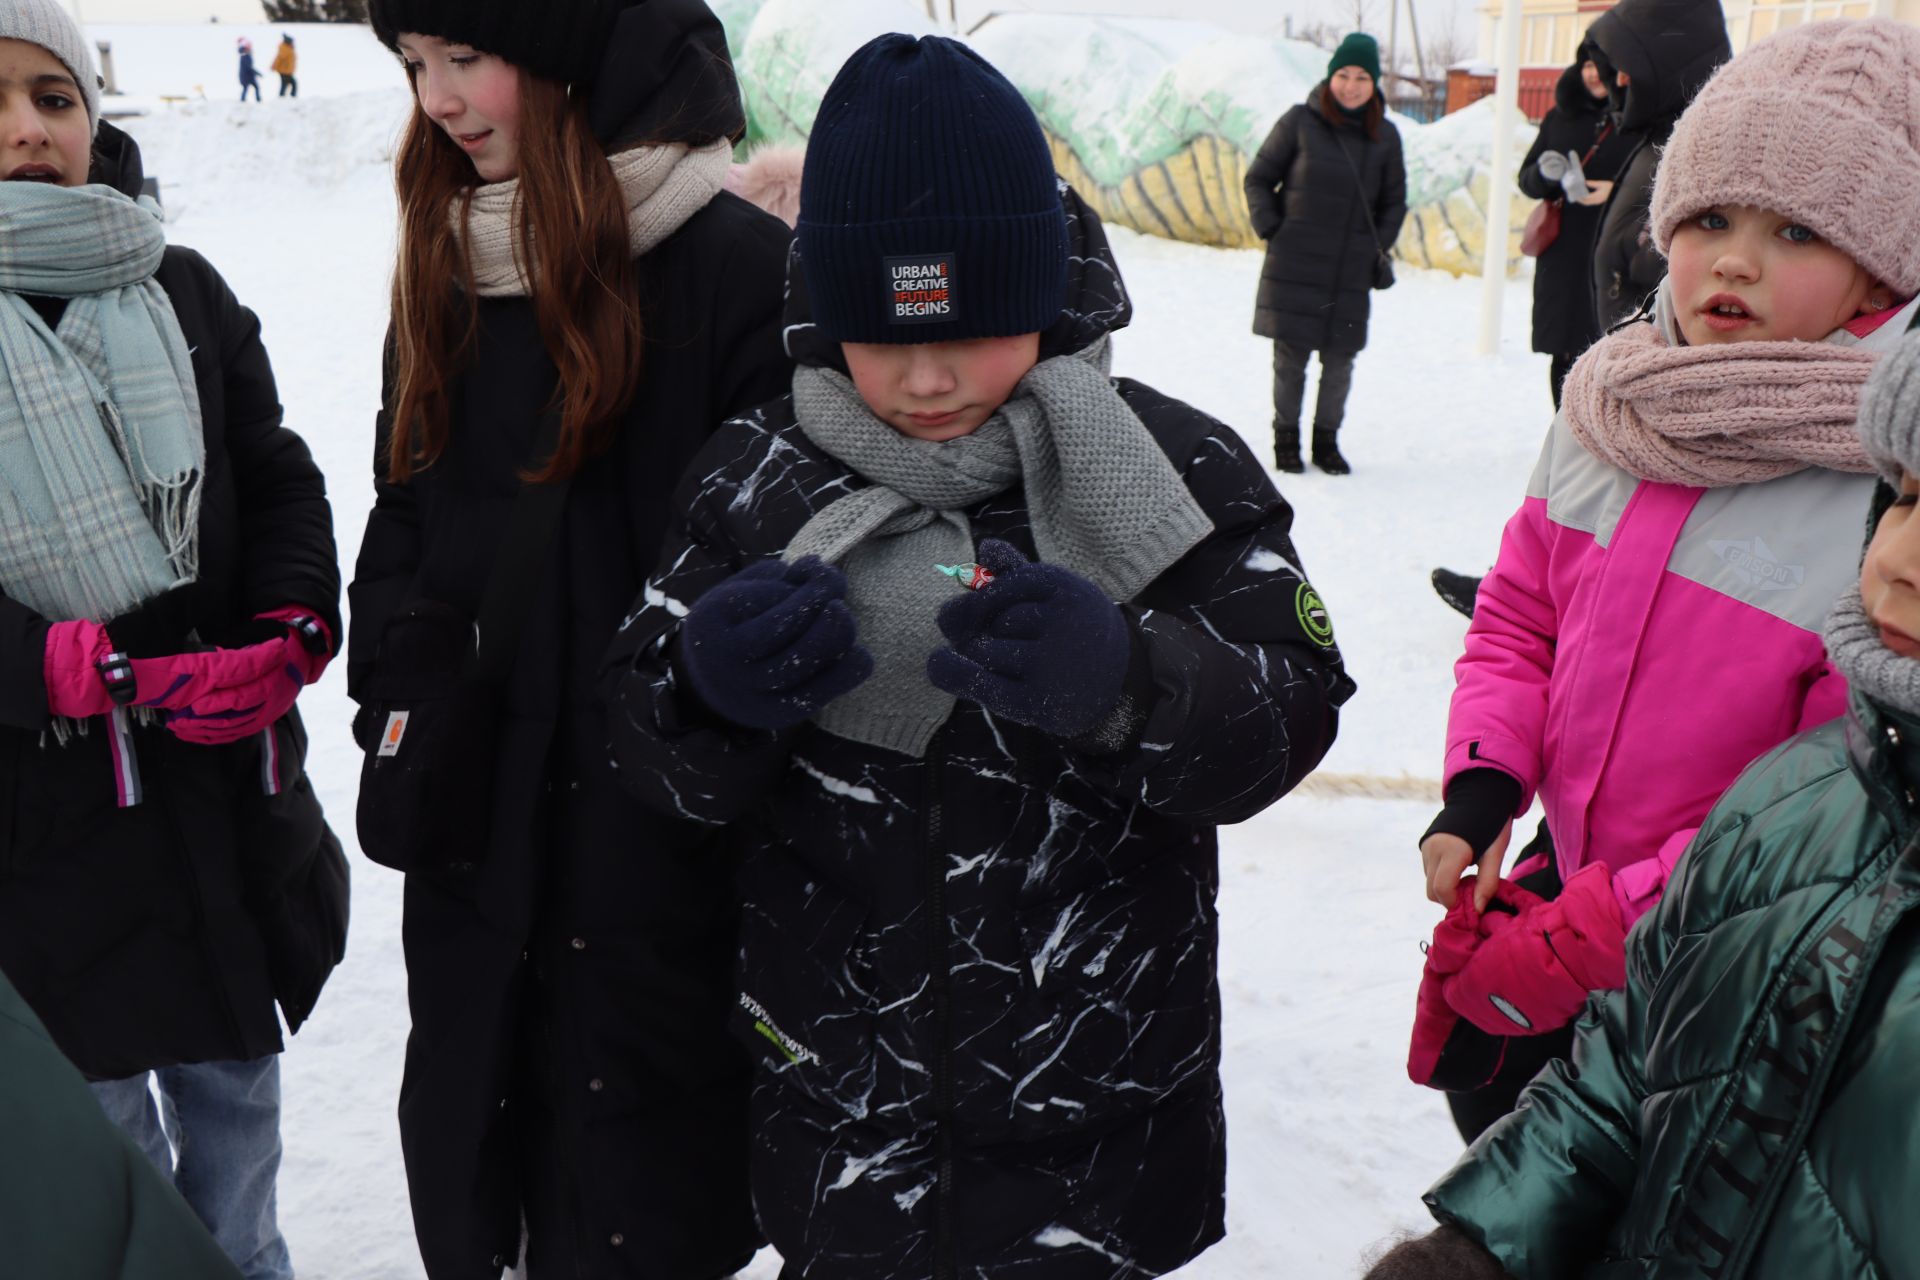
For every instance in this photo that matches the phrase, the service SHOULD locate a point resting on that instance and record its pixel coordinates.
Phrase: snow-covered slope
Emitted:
(1321, 906)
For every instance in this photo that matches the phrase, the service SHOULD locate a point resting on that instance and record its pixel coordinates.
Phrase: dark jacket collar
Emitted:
(1884, 747)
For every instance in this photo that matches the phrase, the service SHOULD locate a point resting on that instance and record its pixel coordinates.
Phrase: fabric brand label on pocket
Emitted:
(390, 736)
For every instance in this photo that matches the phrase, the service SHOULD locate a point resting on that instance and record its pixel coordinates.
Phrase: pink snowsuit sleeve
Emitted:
(1499, 713)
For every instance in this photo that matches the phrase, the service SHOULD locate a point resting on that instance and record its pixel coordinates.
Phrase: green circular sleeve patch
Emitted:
(1313, 615)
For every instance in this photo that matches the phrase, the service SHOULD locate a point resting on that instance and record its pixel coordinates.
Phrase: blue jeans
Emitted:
(216, 1137)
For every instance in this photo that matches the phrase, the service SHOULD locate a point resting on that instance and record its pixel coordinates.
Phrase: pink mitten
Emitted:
(256, 699)
(1534, 971)
(71, 666)
(1446, 1054)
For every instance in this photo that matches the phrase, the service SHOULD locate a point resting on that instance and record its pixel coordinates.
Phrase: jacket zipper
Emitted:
(939, 975)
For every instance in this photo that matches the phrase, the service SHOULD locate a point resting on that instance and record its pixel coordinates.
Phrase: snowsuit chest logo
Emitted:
(920, 288)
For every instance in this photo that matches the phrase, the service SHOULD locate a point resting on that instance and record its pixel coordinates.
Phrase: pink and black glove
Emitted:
(75, 666)
(1534, 970)
(1039, 645)
(224, 695)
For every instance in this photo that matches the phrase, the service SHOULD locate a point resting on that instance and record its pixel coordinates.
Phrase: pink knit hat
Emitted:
(1820, 123)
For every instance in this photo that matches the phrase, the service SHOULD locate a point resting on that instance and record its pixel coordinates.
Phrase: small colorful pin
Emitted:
(971, 576)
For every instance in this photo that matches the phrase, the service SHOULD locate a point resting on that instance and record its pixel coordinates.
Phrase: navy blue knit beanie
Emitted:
(929, 210)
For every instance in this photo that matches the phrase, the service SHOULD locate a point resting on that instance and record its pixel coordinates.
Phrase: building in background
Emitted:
(1550, 32)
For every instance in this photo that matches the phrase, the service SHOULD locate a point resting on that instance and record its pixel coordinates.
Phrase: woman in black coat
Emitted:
(1327, 192)
(568, 975)
(1564, 324)
(166, 875)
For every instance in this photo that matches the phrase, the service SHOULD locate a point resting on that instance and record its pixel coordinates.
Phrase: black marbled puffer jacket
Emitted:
(981, 985)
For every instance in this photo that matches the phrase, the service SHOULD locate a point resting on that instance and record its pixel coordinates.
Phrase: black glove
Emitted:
(773, 644)
(1479, 802)
(1039, 645)
(1444, 1254)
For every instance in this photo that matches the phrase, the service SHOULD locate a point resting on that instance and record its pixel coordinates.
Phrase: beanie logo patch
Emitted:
(920, 288)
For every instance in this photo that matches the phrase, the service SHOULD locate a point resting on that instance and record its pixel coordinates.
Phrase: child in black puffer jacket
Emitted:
(975, 795)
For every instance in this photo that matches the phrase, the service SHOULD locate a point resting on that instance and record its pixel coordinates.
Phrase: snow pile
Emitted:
(197, 60)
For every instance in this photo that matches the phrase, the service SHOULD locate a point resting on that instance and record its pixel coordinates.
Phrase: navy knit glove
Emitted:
(773, 644)
(1039, 645)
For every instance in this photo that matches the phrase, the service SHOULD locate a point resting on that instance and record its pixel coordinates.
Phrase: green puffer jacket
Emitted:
(77, 1199)
(1749, 1107)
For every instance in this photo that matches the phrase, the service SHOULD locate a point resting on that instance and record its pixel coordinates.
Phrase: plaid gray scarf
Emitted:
(1102, 498)
(101, 452)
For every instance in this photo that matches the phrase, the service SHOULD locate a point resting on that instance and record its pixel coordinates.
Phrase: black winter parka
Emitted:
(1669, 49)
(980, 985)
(1564, 322)
(568, 1050)
(1311, 190)
(163, 933)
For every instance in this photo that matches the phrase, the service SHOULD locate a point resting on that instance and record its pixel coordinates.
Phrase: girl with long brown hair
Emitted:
(576, 305)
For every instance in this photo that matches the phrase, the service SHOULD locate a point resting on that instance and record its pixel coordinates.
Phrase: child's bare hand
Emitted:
(1447, 857)
(1598, 189)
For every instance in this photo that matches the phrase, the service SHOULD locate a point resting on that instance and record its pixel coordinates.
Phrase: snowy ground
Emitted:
(1321, 902)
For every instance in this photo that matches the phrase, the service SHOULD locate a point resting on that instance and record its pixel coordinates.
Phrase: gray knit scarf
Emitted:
(1854, 645)
(101, 452)
(1102, 498)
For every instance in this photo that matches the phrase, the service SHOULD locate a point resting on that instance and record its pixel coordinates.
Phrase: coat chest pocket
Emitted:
(804, 1006)
(1125, 1006)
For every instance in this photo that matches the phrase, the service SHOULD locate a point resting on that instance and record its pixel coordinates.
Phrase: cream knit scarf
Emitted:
(1719, 415)
(664, 186)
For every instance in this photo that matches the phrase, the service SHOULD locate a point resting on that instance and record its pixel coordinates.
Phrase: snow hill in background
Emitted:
(1321, 911)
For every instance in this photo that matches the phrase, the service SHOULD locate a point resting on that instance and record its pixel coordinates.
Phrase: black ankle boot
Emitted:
(1286, 450)
(1326, 454)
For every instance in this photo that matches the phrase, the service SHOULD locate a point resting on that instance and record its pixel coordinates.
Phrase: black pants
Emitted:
(1474, 1112)
(1557, 371)
(289, 87)
(1290, 388)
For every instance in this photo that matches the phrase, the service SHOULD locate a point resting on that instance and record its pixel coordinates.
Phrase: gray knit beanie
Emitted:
(48, 24)
(1890, 411)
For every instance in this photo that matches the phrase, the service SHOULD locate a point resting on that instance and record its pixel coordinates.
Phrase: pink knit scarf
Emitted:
(1718, 415)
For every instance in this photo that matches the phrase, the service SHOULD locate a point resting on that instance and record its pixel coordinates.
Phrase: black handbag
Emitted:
(432, 710)
(1382, 261)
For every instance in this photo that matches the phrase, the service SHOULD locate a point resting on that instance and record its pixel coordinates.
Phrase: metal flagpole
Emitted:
(1506, 112)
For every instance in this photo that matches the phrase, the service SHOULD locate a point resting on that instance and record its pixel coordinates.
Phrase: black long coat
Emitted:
(1311, 189)
(980, 984)
(1563, 314)
(569, 997)
(163, 933)
(1668, 48)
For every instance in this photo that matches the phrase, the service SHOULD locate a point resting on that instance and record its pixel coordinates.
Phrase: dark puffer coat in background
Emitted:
(1669, 49)
(981, 984)
(1564, 322)
(1310, 191)
(164, 933)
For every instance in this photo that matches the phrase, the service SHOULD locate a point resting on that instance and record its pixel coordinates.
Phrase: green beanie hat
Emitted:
(1357, 50)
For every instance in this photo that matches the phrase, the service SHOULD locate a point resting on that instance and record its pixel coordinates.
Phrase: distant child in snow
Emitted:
(249, 78)
(284, 63)
(1653, 622)
(973, 646)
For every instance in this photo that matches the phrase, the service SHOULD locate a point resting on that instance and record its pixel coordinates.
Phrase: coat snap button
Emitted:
(579, 944)
(596, 1084)
(618, 1239)
(1893, 735)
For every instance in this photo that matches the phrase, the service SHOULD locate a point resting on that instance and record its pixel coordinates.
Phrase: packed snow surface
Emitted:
(1321, 906)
